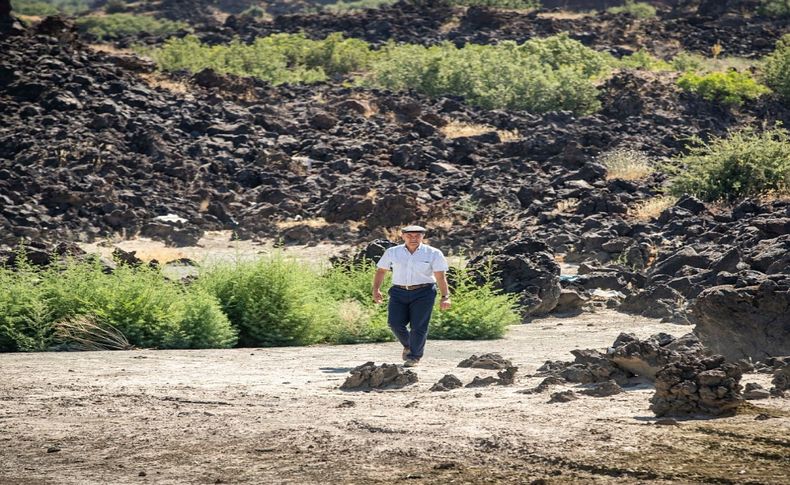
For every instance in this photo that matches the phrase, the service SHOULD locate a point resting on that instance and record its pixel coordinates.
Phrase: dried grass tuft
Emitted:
(458, 129)
(85, 333)
(626, 164)
(652, 208)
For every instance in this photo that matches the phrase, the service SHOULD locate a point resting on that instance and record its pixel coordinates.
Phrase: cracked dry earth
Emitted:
(277, 416)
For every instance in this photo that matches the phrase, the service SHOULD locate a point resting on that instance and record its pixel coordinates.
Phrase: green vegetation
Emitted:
(477, 312)
(343, 6)
(640, 10)
(50, 7)
(642, 59)
(280, 58)
(743, 164)
(147, 309)
(776, 69)
(117, 25)
(512, 4)
(115, 6)
(540, 75)
(731, 88)
(270, 302)
(775, 8)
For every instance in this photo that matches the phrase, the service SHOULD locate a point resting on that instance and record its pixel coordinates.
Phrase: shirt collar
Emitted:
(419, 248)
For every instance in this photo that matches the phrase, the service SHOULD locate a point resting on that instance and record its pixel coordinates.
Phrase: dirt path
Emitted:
(277, 416)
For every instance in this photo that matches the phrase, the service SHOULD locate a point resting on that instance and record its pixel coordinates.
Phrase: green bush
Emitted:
(279, 58)
(49, 7)
(776, 69)
(640, 10)
(477, 311)
(642, 59)
(255, 11)
(147, 309)
(732, 88)
(117, 25)
(539, 76)
(775, 8)
(272, 302)
(358, 319)
(513, 4)
(353, 5)
(744, 164)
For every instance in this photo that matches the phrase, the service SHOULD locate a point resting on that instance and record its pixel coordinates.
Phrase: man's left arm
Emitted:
(444, 289)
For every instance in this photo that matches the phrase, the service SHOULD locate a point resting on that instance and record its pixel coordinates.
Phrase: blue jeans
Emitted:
(412, 307)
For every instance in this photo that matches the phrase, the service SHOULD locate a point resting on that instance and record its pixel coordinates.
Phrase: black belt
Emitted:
(413, 287)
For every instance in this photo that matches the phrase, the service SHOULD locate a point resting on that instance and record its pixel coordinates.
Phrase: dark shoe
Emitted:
(405, 354)
(411, 362)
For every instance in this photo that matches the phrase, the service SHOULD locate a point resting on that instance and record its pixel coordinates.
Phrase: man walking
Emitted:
(417, 269)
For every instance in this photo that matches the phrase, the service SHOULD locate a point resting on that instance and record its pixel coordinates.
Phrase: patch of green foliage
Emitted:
(540, 75)
(353, 5)
(744, 164)
(272, 302)
(147, 308)
(642, 59)
(50, 7)
(775, 8)
(776, 69)
(279, 58)
(510, 4)
(730, 88)
(255, 11)
(477, 311)
(117, 25)
(115, 6)
(640, 10)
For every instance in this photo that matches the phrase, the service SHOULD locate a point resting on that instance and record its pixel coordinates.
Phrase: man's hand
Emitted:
(444, 303)
(377, 297)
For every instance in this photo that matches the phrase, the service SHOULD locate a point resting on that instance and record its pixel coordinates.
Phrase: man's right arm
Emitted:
(378, 279)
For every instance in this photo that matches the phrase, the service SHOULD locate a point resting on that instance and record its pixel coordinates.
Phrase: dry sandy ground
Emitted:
(277, 416)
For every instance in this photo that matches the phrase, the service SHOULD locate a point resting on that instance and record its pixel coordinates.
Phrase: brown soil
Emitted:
(277, 416)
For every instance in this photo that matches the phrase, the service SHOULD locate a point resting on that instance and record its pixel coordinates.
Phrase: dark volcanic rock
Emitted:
(602, 389)
(447, 383)
(751, 321)
(647, 357)
(697, 386)
(385, 376)
(486, 361)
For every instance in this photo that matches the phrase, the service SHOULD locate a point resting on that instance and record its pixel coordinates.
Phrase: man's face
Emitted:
(412, 238)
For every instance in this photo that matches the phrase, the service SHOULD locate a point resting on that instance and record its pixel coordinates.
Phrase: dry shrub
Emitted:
(459, 129)
(651, 208)
(314, 223)
(566, 205)
(626, 164)
(156, 80)
(85, 333)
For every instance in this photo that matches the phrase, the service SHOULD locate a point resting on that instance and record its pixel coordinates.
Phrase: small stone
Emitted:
(141, 474)
(53, 449)
(563, 396)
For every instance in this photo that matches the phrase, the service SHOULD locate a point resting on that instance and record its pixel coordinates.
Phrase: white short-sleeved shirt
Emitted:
(413, 269)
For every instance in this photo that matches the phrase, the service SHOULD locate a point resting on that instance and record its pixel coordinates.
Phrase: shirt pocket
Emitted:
(423, 267)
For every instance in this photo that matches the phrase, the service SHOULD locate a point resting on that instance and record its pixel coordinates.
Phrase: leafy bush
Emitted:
(775, 8)
(640, 10)
(776, 69)
(49, 7)
(642, 59)
(343, 6)
(514, 4)
(272, 302)
(279, 58)
(117, 25)
(538, 76)
(743, 164)
(477, 311)
(255, 11)
(147, 309)
(358, 318)
(731, 88)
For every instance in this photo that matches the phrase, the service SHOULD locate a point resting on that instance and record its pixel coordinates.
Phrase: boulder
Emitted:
(447, 383)
(752, 321)
(697, 386)
(647, 357)
(486, 361)
(384, 376)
